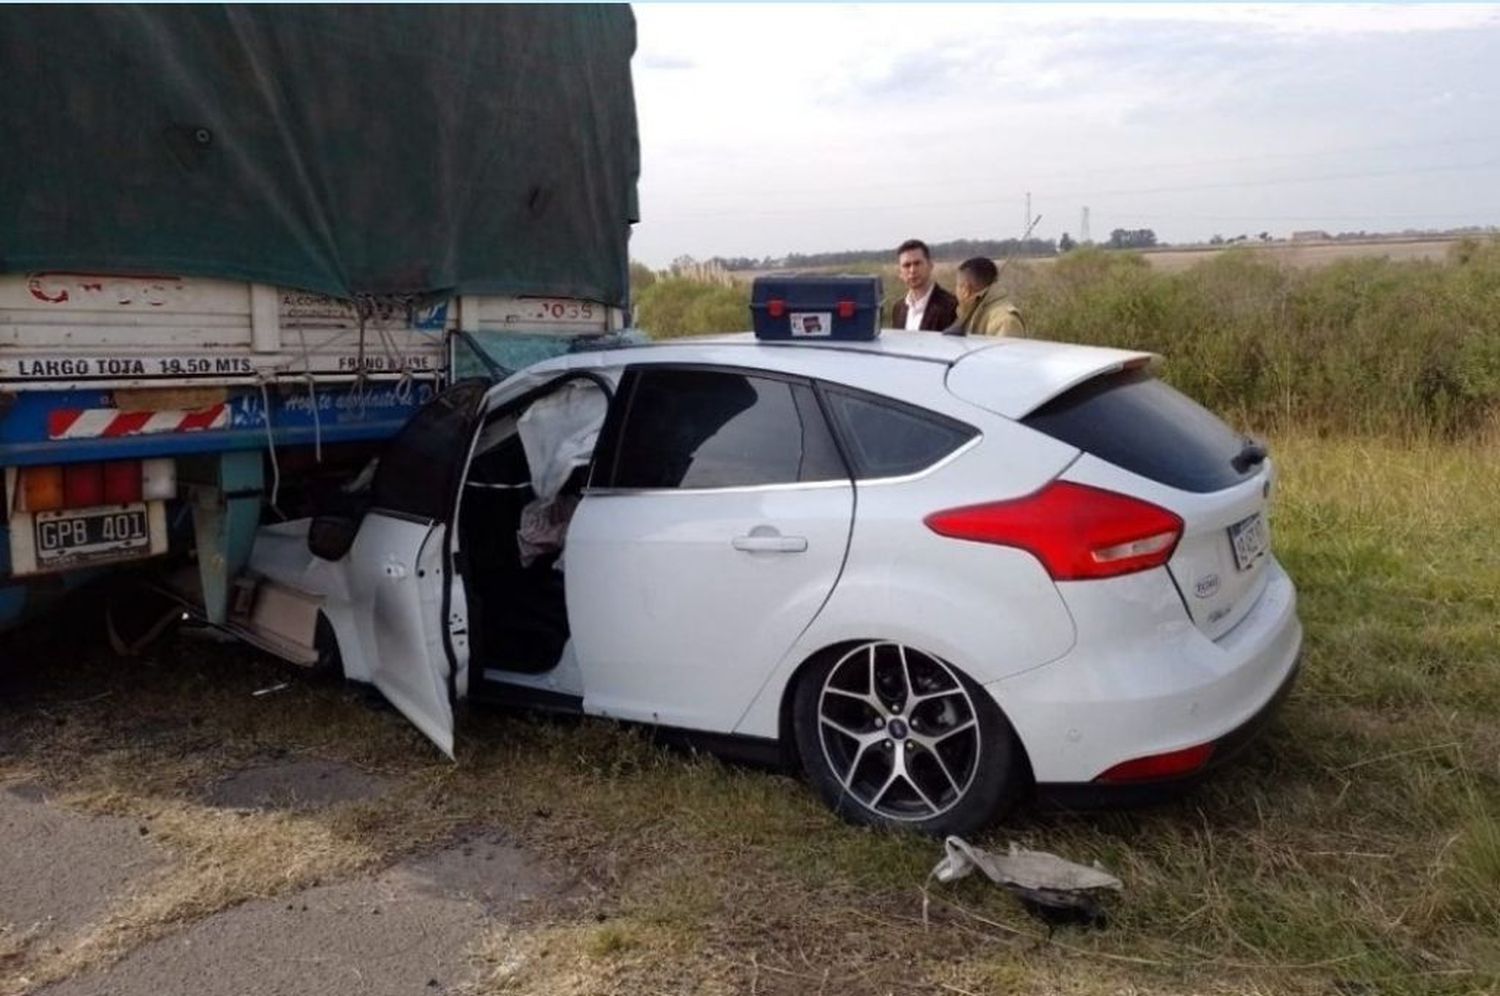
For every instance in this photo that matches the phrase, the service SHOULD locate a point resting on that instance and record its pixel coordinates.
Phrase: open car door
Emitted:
(412, 629)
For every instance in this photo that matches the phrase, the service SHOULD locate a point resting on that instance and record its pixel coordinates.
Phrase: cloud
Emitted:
(800, 127)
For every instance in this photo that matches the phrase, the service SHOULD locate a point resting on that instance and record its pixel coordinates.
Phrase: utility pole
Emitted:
(1026, 221)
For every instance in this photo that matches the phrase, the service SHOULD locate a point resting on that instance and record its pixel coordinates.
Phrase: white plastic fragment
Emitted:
(1020, 867)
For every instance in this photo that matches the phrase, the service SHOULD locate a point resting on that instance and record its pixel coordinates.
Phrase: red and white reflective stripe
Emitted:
(105, 423)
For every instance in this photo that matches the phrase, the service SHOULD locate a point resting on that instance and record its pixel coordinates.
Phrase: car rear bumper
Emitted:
(1142, 680)
(1097, 795)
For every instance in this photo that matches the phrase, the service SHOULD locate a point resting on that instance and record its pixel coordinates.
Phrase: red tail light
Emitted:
(83, 485)
(80, 485)
(1077, 531)
(1172, 764)
(41, 489)
(122, 482)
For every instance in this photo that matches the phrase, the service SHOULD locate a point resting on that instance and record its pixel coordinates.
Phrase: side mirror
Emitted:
(329, 537)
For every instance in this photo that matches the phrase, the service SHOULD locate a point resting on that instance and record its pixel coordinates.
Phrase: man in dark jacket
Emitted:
(926, 306)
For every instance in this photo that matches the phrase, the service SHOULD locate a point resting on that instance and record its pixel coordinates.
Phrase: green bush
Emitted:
(674, 306)
(1366, 345)
(641, 277)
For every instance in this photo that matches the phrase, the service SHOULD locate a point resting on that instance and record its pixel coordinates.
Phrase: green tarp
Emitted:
(343, 149)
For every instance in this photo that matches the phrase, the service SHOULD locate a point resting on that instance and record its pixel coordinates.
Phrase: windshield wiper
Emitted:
(1251, 454)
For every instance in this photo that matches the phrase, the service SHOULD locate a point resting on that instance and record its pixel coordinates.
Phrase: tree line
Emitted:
(954, 251)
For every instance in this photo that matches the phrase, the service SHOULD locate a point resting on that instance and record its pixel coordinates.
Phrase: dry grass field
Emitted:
(1306, 254)
(1285, 253)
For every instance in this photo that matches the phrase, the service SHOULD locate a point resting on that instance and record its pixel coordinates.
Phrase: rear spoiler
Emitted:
(1015, 377)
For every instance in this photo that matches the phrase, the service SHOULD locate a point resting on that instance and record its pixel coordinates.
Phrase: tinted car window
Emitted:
(721, 429)
(419, 468)
(1139, 423)
(888, 439)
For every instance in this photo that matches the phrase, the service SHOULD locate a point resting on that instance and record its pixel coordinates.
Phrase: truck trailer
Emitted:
(240, 246)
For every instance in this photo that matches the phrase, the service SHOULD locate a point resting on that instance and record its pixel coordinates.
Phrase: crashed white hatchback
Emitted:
(933, 571)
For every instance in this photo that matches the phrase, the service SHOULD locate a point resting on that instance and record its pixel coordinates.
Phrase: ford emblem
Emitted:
(1206, 586)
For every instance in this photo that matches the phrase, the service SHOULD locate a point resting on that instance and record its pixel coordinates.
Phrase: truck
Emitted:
(240, 246)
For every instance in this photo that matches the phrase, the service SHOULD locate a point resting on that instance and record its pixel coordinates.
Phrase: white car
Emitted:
(934, 571)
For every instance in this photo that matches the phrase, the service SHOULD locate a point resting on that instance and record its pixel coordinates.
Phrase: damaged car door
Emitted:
(409, 620)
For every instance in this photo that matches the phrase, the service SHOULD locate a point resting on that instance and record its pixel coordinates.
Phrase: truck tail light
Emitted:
(1078, 532)
(83, 485)
(89, 485)
(41, 489)
(158, 479)
(122, 482)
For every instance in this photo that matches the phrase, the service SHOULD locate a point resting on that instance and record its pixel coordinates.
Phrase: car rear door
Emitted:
(713, 532)
(412, 620)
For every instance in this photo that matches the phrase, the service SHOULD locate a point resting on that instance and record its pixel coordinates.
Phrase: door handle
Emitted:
(771, 544)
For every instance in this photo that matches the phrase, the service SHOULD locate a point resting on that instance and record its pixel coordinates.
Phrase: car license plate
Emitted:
(91, 534)
(1248, 536)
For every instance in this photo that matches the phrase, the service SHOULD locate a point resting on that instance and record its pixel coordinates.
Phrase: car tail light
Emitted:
(1077, 531)
(42, 489)
(1173, 764)
(83, 485)
(122, 482)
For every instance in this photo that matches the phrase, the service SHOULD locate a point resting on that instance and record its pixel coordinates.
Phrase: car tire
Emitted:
(330, 662)
(893, 737)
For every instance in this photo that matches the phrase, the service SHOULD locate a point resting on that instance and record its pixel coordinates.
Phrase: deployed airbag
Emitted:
(558, 433)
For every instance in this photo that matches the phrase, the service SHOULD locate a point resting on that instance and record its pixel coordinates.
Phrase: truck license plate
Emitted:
(1248, 537)
(91, 534)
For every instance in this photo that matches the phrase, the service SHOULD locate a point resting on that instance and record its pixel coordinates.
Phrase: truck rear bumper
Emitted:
(44, 426)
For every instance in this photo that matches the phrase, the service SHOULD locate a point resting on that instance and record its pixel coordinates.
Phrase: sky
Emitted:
(776, 128)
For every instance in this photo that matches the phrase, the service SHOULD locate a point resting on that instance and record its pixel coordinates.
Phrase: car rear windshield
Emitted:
(1134, 421)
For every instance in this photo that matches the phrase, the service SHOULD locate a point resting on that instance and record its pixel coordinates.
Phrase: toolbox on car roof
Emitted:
(815, 307)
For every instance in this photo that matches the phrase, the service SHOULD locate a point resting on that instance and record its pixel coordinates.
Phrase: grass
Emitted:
(1356, 850)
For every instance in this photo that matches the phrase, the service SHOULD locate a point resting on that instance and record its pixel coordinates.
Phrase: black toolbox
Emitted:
(815, 307)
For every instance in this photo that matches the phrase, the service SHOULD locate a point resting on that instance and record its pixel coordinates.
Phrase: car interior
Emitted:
(528, 472)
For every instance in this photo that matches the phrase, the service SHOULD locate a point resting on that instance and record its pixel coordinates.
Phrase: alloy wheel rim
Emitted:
(899, 731)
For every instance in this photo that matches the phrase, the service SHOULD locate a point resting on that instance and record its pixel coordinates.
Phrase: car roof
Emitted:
(1009, 376)
(933, 347)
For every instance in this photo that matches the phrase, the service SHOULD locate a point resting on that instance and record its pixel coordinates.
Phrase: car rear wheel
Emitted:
(892, 736)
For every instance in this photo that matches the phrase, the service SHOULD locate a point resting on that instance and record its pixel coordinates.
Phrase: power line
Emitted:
(1092, 194)
(1145, 167)
(1491, 210)
(1277, 181)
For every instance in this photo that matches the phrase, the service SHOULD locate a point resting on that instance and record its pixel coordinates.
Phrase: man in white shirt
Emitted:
(926, 307)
